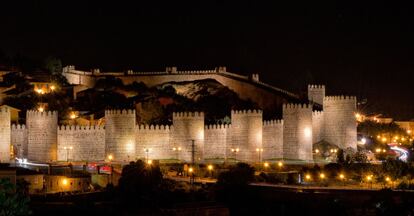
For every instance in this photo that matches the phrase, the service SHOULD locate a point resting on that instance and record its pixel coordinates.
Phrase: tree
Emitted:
(53, 65)
(340, 156)
(139, 180)
(240, 175)
(13, 201)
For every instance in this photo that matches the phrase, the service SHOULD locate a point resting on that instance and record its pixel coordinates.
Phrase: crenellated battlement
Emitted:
(247, 112)
(339, 98)
(62, 128)
(217, 126)
(188, 114)
(115, 112)
(18, 127)
(154, 127)
(270, 123)
(321, 87)
(296, 106)
(35, 113)
(317, 113)
(4, 110)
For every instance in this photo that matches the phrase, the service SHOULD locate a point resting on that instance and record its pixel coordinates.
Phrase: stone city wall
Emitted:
(272, 140)
(156, 140)
(297, 131)
(19, 140)
(317, 126)
(5, 134)
(216, 141)
(340, 124)
(81, 143)
(42, 135)
(120, 134)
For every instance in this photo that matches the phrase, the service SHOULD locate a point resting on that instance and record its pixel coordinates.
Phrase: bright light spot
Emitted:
(409, 131)
(130, 146)
(190, 170)
(341, 176)
(72, 115)
(308, 177)
(110, 157)
(387, 179)
(363, 141)
(280, 164)
(266, 164)
(149, 162)
(316, 151)
(52, 87)
(259, 150)
(41, 109)
(322, 176)
(377, 150)
(210, 167)
(64, 181)
(369, 178)
(308, 132)
(384, 139)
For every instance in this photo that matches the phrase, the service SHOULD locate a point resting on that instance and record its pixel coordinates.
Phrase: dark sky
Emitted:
(364, 49)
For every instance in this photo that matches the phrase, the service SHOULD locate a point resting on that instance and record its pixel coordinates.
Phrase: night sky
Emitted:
(363, 49)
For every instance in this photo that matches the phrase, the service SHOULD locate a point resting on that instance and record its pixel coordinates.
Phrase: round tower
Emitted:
(42, 135)
(246, 135)
(340, 127)
(297, 132)
(5, 134)
(189, 127)
(120, 134)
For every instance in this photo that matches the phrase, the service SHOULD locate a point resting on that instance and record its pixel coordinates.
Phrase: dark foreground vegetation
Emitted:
(142, 190)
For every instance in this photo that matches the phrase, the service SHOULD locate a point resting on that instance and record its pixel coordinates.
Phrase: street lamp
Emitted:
(235, 151)
(308, 177)
(259, 151)
(322, 176)
(67, 152)
(210, 169)
(280, 164)
(369, 179)
(266, 164)
(177, 150)
(110, 157)
(147, 150)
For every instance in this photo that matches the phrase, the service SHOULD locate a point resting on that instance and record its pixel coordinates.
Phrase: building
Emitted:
(248, 138)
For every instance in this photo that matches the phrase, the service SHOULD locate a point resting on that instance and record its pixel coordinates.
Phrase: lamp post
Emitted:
(67, 152)
(259, 151)
(235, 151)
(177, 151)
(146, 154)
(210, 169)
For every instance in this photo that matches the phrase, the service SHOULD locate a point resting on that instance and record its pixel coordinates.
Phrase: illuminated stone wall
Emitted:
(19, 140)
(246, 134)
(272, 140)
(5, 134)
(188, 126)
(248, 88)
(316, 93)
(297, 132)
(216, 141)
(120, 134)
(82, 143)
(42, 135)
(317, 126)
(155, 138)
(339, 118)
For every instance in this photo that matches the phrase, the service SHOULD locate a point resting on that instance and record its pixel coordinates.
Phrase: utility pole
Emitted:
(192, 161)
